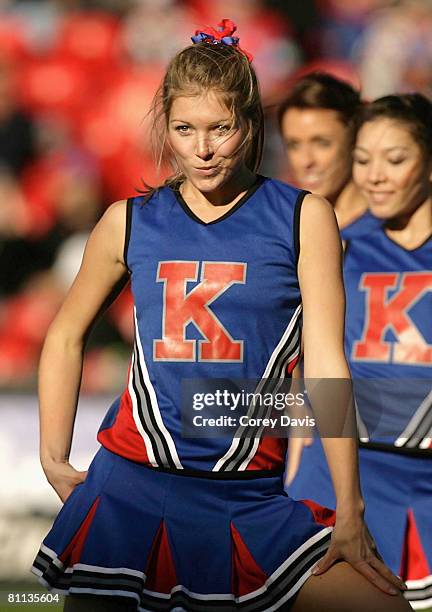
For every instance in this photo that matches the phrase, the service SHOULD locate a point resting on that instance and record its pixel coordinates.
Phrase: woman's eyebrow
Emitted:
(404, 148)
(215, 122)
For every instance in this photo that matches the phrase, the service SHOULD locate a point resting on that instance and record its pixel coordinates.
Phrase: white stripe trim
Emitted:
(53, 555)
(361, 427)
(106, 570)
(426, 442)
(48, 551)
(300, 582)
(90, 591)
(423, 604)
(299, 551)
(421, 583)
(285, 565)
(244, 598)
(257, 440)
(419, 414)
(180, 588)
(154, 403)
(419, 600)
(135, 414)
(47, 585)
(282, 341)
(199, 596)
(236, 441)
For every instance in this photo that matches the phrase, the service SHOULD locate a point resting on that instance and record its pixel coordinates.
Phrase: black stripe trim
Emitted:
(234, 475)
(420, 433)
(346, 246)
(44, 557)
(135, 376)
(86, 581)
(39, 566)
(418, 593)
(129, 207)
(183, 600)
(398, 450)
(422, 428)
(249, 193)
(251, 433)
(284, 583)
(164, 443)
(283, 359)
(271, 595)
(249, 439)
(54, 575)
(105, 576)
(247, 442)
(297, 210)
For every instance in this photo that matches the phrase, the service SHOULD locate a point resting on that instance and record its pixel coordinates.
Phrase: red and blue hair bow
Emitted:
(222, 35)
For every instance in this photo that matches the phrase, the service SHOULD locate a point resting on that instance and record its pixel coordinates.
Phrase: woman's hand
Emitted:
(101, 275)
(352, 542)
(63, 477)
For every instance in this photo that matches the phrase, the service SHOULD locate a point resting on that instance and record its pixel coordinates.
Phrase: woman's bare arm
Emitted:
(101, 274)
(320, 276)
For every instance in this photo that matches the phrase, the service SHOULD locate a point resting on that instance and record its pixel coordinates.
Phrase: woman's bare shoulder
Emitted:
(317, 220)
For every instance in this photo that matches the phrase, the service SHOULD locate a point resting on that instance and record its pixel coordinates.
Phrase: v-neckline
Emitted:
(185, 206)
(398, 244)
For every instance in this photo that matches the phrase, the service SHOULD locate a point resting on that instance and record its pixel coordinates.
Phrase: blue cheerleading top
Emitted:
(217, 300)
(362, 226)
(389, 340)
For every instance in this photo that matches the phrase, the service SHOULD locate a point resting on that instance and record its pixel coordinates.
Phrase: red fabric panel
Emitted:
(123, 438)
(247, 576)
(72, 553)
(414, 565)
(292, 364)
(270, 454)
(321, 514)
(160, 571)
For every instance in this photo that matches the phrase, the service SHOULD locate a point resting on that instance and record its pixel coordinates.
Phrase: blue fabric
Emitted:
(361, 227)
(134, 500)
(258, 236)
(391, 484)
(388, 333)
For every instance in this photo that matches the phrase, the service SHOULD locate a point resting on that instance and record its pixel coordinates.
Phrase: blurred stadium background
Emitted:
(76, 81)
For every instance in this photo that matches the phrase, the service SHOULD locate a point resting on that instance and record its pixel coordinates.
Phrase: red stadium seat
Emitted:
(13, 43)
(24, 322)
(114, 132)
(90, 37)
(50, 85)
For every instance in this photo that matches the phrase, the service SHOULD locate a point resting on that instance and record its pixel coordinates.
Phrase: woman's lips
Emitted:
(210, 171)
(379, 197)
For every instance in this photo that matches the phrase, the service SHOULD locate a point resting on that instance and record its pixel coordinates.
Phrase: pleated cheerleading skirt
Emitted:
(173, 542)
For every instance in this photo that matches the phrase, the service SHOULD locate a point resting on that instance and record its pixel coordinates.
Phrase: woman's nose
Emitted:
(204, 149)
(376, 173)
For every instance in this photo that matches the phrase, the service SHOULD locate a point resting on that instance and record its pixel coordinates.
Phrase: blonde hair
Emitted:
(201, 68)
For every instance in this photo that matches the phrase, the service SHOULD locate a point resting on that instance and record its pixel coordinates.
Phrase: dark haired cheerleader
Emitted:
(388, 281)
(317, 124)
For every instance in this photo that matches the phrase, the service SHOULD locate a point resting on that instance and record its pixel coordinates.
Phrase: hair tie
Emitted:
(223, 35)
